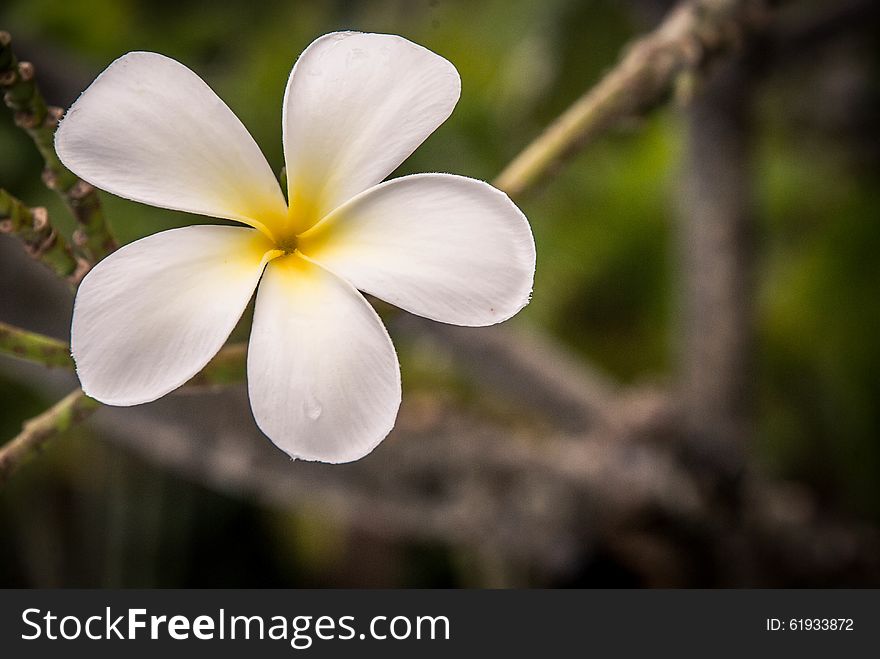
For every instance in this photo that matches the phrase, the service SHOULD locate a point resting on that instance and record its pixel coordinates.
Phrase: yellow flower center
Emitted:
(294, 231)
(287, 244)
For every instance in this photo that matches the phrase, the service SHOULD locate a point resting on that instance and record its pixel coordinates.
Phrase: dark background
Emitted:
(646, 470)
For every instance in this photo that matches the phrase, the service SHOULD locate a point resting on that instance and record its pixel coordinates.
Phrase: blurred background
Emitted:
(690, 399)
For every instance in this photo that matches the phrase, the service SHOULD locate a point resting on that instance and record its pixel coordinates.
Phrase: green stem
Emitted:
(690, 37)
(67, 412)
(227, 366)
(41, 240)
(92, 240)
(34, 347)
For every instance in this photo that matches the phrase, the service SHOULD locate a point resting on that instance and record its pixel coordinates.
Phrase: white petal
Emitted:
(356, 106)
(152, 314)
(151, 130)
(446, 247)
(323, 377)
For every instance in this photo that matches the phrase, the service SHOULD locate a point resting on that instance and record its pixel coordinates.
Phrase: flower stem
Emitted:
(92, 239)
(35, 432)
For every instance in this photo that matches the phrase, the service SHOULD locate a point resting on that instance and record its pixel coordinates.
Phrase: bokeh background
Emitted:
(489, 480)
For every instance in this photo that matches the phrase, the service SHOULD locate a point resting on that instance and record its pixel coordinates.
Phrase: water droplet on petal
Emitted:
(312, 408)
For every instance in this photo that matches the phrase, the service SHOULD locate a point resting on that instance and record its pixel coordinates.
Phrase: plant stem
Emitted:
(35, 432)
(92, 240)
(690, 37)
(227, 366)
(41, 240)
(34, 347)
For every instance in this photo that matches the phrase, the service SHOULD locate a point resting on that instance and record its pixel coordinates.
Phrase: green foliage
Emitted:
(820, 318)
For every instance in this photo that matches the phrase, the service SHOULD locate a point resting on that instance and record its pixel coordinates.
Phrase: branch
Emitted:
(524, 367)
(532, 371)
(693, 35)
(92, 239)
(70, 410)
(548, 503)
(716, 225)
(34, 347)
(227, 366)
(41, 240)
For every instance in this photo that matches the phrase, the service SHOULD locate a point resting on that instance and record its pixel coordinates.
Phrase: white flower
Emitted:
(323, 377)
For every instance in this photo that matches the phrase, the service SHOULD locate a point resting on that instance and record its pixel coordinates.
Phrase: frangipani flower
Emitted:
(323, 376)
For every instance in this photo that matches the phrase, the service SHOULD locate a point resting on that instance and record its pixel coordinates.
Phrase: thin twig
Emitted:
(92, 240)
(227, 366)
(691, 36)
(34, 347)
(41, 240)
(523, 366)
(70, 410)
